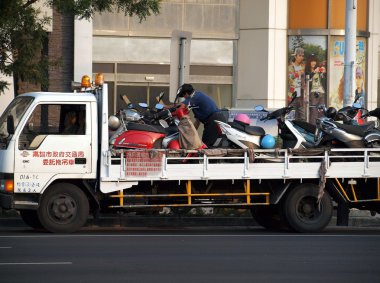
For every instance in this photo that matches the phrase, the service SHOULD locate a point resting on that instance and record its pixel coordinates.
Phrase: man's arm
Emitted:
(196, 123)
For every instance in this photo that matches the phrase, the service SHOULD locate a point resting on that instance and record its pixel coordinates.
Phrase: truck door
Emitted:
(56, 139)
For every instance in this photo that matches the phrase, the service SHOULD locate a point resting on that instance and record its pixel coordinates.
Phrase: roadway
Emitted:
(190, 254)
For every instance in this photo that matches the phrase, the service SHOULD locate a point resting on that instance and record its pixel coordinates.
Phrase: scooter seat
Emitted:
(237, 126)
(254, 130)
(251, 130)
(145, 128)
(358, 130)
(305, 125)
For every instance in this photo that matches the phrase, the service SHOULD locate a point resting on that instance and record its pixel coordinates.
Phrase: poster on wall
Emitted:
(307, 75)
(336, 71)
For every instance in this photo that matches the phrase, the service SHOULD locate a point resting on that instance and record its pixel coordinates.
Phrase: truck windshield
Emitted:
(16, 109)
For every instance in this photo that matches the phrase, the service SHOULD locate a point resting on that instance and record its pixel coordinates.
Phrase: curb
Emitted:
(184, 221)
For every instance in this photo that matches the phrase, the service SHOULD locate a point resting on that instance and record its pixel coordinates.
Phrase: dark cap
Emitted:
(185, 88)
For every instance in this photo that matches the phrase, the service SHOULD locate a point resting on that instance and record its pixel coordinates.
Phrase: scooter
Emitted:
(346, 135)
(294, 133)
(133, 131)
(239, 134)
(373, 113)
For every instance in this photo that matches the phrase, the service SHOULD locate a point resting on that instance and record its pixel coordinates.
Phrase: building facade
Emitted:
(241, 51)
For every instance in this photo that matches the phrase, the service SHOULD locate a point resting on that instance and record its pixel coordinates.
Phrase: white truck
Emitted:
(55, 178)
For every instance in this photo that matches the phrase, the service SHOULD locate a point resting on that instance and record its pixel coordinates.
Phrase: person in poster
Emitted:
(316, 74)
(359, 92)
(296, 84)
(336, 72)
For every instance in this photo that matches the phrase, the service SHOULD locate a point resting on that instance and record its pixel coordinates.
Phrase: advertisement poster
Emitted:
(337, 69)
(307, 75)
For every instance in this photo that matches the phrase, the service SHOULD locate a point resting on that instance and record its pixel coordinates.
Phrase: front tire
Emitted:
(304, 213)
(64, 208)
(31, 219)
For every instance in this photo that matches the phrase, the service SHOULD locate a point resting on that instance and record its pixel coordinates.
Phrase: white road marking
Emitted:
(195, 235)
(5, 247)
(36, 263)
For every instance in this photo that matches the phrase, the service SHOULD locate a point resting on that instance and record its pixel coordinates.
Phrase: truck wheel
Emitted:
(30, 218)
(270, 217)
(64, 208)
(304, 213)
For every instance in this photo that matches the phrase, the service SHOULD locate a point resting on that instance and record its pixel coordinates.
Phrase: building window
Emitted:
(337, 67)
(140, 68)
(306, 14)
(338, 14)
(313, 24)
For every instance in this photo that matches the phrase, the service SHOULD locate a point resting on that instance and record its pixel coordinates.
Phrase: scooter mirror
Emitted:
(160, 96)
(294, 96)
(159, 106)
(356, 105)
(259, 108)
(164, 124)
(143, 105)
(125, 99)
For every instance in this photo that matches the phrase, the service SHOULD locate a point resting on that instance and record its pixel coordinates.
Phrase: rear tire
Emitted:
(31, 219)
(302, 211)
(64, 208)
(270, 217)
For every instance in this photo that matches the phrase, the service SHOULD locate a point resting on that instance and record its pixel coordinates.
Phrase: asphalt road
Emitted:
(202, 254)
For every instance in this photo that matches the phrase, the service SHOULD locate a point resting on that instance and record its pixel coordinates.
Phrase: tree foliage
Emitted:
(22, 33)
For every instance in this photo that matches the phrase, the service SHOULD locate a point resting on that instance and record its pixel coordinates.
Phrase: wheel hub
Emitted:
(62, 208)
(307, 208)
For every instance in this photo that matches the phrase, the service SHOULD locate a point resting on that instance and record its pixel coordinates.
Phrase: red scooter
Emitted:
(132, 133)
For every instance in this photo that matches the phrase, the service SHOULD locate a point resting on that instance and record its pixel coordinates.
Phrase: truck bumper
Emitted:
(6, 201)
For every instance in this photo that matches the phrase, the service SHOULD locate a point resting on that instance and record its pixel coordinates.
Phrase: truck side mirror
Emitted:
(10, 125)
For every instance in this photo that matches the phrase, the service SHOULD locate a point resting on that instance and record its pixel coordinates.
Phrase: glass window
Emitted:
(141, 93)
(307, 75)
(338, 14)
(16, 109)
(306, 14)
(336, 51)
(221, 94)
(138, 50)
(52, 119)
(128, 49)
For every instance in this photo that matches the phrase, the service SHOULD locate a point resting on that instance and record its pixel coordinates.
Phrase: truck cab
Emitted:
(46, 137)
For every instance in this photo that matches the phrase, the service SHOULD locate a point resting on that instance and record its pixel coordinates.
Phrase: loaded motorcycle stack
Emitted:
(336, 129)
(143, 127)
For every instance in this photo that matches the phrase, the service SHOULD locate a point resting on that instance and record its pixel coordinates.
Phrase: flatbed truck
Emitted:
(57, 179)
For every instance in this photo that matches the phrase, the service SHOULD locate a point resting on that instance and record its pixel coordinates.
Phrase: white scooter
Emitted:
(239, 134)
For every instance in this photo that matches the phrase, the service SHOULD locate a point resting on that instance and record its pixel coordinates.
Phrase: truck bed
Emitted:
(151, 165)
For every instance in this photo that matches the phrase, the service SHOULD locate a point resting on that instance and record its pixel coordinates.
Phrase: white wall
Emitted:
(82, 49)
(261, 62)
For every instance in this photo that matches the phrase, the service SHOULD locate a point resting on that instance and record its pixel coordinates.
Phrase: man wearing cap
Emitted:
(205, 111)
(296, 73)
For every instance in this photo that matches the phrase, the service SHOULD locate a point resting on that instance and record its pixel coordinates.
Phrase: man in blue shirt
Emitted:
(205, 112)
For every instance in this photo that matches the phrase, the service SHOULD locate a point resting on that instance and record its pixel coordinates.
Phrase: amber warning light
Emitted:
(86, 81)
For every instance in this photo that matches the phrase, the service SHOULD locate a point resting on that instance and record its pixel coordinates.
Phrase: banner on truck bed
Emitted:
(143, 163)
